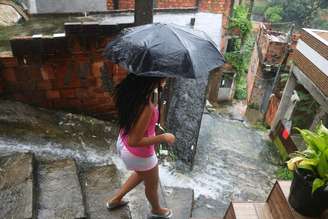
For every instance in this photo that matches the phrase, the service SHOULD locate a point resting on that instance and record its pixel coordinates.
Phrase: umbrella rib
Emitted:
(177, 36)
(207, 37)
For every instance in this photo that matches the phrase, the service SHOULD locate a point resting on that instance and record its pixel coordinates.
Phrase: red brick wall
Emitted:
(126, 4)
(252, 72)
(59, 78)
(129, 4)
(294, 40)
(215, 6)
(176, 3)
(123, 4)
(268, 52)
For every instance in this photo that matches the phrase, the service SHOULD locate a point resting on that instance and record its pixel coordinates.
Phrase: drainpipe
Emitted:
(116, 5)
(143, 12)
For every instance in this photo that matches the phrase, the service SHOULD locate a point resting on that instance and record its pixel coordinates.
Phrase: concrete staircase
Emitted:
(32, 188)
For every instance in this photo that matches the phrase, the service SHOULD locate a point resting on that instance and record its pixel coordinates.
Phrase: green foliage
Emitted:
(241, 88)
(274, 14)
(319, 22)
(315, 157)
(254, 106)
(305, 110)
(236, 59)
(239, 20)
(283, 173)
(239, 59)
(301, 12)
(259, 8)
(261, 126)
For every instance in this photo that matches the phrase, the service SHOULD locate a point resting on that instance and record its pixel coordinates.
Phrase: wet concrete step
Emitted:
(180, 200)
(100, 183)
(248, 210)
(59, 190)
(139, 205)
(16, 186)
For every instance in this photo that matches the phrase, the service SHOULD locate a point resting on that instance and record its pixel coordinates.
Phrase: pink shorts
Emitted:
(133, 162)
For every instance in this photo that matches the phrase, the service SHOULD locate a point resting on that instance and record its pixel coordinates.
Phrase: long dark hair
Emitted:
(131, 96)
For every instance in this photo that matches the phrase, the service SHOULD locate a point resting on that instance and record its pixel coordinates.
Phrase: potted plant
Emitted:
(239, 24)
(309, 188)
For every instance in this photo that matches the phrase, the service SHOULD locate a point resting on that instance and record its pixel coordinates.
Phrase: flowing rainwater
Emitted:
(233, 161)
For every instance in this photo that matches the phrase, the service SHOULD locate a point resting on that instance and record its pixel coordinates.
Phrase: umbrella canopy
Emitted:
(164, 50)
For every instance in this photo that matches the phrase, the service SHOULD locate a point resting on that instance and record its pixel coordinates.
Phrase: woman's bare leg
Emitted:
(133, 180)
(151, 180)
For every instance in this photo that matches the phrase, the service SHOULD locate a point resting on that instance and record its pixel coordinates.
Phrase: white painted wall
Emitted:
(32, 6)
(66, 6)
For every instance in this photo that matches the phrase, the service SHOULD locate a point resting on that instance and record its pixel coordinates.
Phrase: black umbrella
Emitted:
(164, 50)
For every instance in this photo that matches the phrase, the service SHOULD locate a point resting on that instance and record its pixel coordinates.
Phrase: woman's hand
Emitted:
(169, 138)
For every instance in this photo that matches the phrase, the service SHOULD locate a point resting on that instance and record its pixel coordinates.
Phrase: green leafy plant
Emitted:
(305, 110)
(240, 59)
(315, 157)
(274, 13)
(283, 173)
(239, 21)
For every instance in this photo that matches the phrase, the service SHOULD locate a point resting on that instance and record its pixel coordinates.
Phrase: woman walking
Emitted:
(138, 115)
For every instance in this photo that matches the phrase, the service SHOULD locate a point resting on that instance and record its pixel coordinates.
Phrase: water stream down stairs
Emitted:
(35, 188)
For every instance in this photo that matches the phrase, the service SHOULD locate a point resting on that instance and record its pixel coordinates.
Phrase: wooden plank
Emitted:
(278, 203)
(230, 214)
(285, 188)
(245, 210)
(263, 211)
(285, 101)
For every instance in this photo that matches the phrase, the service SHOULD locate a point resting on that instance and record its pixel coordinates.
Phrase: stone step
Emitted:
(248, 210)
(17, 196)
(207, 207)
(139, 205)
(59, 190)
(180, 200)
(278, 202)
(100, 183)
